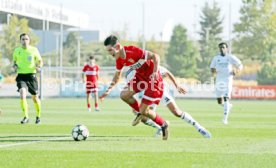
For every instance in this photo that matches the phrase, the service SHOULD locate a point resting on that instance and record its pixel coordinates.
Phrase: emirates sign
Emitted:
(254, 92)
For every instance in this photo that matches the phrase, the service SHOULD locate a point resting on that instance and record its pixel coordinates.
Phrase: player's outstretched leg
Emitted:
(189, 119)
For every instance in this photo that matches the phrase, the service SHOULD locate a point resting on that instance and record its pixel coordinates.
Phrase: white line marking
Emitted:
(32, 142)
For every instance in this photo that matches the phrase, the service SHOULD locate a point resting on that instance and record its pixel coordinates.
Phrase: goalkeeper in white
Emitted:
(223, 71)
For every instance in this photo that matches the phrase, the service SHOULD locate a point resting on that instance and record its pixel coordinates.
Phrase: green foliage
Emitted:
(99, 52)
(70, 49)
(256, 32)
(10, 35)
(267, 74)
(256, 36)
(158, 47)
(182, 55)
(211, 28)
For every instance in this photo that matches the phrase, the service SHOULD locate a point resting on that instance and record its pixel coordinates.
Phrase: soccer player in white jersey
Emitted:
(168, 101)
(222, 67)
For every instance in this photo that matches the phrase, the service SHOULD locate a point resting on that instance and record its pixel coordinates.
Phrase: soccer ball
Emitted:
(80, 133)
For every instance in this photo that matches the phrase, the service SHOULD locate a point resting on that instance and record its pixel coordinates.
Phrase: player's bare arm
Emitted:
(237, 69)
(156, 60)
(39, 65)
(15, 66)
(213, 71)
(178, 87)
(115, 80)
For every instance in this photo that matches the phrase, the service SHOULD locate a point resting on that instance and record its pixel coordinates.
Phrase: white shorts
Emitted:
(166, 99)
(223, 89)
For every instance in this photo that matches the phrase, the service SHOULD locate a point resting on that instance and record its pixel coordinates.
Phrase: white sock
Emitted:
(190, 120)
(151, 123)
(226, 109)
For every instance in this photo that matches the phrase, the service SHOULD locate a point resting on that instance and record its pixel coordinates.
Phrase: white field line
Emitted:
(32, 142)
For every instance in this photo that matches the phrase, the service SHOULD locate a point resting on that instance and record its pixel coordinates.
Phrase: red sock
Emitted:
(159, 120)
(88, 105)
(96, 105)
(135, 106)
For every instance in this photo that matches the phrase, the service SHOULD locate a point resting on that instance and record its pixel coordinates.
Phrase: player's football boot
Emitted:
(204, 132)
(137, 119)
(158, 132)
(165, 130)
(37, 120)
(230, 105)
(97, 109)
(24, 120)
(225, 120)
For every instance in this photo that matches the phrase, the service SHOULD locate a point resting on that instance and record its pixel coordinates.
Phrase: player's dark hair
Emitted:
(223, 43)
(23, 34)
(110, 40)
(91, 57)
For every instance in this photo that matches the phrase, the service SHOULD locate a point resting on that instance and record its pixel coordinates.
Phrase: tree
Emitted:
(99, 52)
(256, 37)
(156, 47)
(211, 28)
(256, 31)
(10, 35)
(267, 74)
(70, 49)
(182, 55)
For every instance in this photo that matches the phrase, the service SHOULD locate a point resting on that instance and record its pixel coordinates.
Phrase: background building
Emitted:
(47, 21)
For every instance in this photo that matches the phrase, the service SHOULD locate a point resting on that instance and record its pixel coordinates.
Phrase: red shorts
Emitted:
(91, 87)
(153, 88)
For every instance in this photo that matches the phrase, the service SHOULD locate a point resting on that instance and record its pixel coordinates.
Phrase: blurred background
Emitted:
(184, 33)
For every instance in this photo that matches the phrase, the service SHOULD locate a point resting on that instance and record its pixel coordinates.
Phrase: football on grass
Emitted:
(80, 132)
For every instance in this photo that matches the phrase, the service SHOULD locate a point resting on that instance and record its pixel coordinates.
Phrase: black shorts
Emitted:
(28, 81)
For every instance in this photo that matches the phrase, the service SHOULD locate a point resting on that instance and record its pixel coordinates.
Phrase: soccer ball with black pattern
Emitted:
(80, 132)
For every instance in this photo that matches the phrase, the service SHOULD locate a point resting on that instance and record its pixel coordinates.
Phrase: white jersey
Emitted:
(163, 71)
(224, 65)
(224, 69)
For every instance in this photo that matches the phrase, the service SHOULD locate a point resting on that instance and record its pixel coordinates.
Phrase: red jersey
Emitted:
(136, 58)
(91, 72)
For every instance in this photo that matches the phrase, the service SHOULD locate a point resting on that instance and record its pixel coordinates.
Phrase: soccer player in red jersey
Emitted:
(147, 78)
(90, 77)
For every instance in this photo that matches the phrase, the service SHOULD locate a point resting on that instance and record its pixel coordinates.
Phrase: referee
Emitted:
(27, 62)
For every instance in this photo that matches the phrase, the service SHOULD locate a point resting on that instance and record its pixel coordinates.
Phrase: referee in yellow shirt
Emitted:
(27, 62)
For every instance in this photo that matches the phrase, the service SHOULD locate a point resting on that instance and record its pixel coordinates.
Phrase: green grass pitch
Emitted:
(248, 141)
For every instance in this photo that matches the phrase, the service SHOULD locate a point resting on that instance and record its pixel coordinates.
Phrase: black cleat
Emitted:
(137, 119)
(37, 121)
(165, 130)
(24, 120)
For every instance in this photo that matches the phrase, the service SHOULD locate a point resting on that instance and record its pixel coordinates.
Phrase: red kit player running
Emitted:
(90, 76)
(147, 78)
